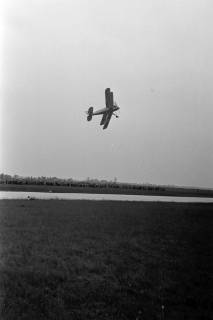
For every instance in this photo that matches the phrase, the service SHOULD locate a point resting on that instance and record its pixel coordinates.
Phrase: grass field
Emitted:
(105, 260)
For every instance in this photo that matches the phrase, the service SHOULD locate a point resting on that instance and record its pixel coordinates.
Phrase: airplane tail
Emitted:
(89, 112)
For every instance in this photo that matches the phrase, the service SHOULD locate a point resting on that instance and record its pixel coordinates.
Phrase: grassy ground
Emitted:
(105, 260)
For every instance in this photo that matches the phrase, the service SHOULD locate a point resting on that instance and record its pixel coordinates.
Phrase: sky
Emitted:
(57, 58)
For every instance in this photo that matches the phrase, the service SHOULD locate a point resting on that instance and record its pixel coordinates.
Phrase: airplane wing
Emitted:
(108, 117)
(109, 98)
(103, 118)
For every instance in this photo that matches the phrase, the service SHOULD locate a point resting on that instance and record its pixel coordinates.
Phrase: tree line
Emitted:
(91, 183)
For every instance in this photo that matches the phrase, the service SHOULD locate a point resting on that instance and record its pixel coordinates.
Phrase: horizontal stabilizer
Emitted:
(90, 113)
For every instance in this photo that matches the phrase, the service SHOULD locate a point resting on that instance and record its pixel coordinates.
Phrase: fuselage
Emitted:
(104, 110)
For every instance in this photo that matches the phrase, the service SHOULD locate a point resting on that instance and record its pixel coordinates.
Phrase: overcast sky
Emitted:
(58, 57)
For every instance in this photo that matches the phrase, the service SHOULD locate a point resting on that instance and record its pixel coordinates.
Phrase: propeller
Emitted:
(116, 105)
(117, 111)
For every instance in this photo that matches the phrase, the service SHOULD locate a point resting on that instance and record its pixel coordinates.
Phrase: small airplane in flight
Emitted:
(107, 112)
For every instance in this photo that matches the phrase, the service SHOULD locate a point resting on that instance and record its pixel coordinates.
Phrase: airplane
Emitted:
(107, 112)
